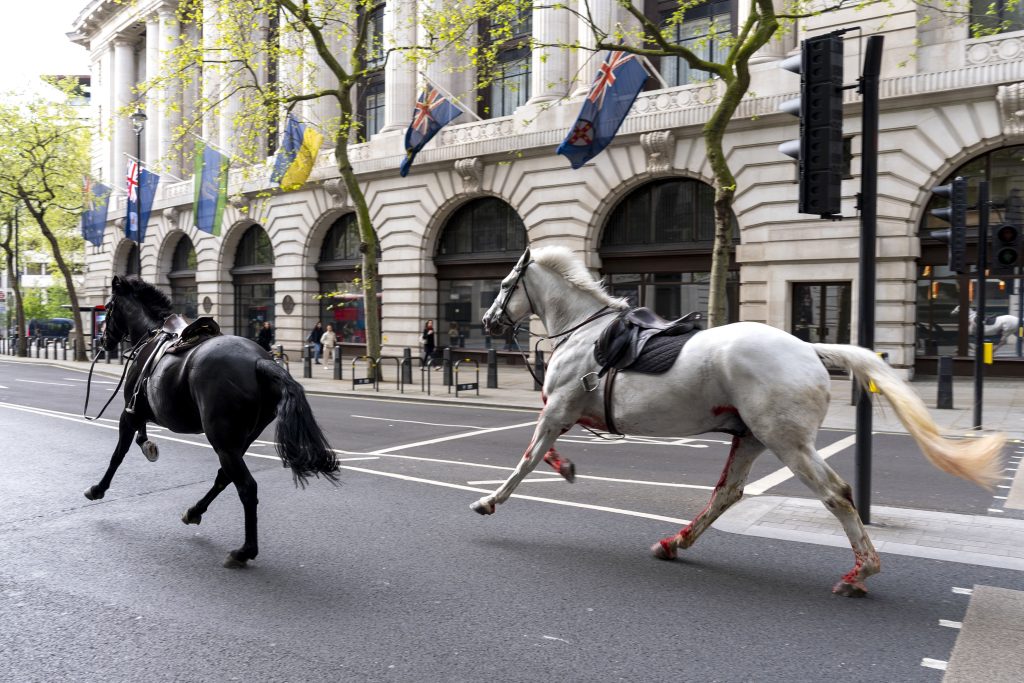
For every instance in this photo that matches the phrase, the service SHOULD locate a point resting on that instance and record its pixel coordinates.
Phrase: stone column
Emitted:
(780, 44)
(171, 100)
(122, 81)
(151, 133)
(549, 67)
(211, 74)
(399, 73)
(604, 14)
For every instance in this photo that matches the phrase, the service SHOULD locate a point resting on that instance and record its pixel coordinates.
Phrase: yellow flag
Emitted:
(302, 166)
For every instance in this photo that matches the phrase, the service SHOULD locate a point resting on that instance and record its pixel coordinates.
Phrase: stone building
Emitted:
(640, 213)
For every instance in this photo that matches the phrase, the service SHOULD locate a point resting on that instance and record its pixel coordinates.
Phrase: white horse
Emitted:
(765, 387)
(1004, 328)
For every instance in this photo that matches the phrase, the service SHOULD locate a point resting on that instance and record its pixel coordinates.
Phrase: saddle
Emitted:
(642, 341)
(187, 335)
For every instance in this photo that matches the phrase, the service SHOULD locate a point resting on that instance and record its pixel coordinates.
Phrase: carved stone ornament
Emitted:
(241, 202)
(288, 304)
(171, 214)
(1011, 106)
(207, 304)
(119, 223)
(660, 148)
(472, 172)
(337, 190)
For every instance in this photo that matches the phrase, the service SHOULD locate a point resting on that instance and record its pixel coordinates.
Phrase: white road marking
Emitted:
(997, 510)
(999, 497)
(779, 476)
(35, 381)
(963, 591)
(934, 663)
(528, 480)
(951, 624)
(453, 437)
(416, 422)
(3, 387)
(95, 381)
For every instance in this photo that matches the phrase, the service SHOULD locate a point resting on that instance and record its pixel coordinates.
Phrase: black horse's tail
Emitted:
(301, 444)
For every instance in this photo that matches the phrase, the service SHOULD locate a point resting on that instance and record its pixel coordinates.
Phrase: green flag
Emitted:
(211, 189)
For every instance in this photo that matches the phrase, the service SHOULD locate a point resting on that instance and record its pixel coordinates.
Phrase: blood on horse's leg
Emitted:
(561, 464)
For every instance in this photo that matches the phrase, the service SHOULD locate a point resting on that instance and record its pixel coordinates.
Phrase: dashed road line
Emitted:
(930, 663)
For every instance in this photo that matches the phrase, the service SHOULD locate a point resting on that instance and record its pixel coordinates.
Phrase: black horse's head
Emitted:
(135, 307)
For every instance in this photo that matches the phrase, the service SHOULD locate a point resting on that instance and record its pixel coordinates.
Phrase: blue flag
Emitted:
(290, 144)
(141, 192)
(619, 80)
(433, 112)
(94, 218)
(297, 156)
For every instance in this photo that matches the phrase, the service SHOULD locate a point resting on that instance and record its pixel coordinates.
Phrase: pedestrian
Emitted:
(428, 342)
(265, 336)
(328, 340)
(453, 335)
(314, 340)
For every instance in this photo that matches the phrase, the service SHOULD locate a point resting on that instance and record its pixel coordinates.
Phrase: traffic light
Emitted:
(1005, 249)
(820, 108)
(955, 214)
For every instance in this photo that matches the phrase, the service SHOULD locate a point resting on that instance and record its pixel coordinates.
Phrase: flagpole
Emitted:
(307, 122)
(150, 167)
(651, 71)
(451, 97)
(210, 144)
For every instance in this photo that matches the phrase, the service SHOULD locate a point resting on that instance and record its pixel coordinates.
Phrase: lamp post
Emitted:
(138, 124)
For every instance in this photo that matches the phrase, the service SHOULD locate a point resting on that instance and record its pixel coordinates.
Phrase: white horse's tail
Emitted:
(976, 460)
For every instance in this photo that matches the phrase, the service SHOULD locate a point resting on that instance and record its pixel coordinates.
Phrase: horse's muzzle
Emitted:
(493, 327)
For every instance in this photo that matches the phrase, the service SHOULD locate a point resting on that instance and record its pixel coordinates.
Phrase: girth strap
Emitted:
(609, 417)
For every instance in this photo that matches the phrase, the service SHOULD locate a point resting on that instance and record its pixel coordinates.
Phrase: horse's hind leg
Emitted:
(149, 448)
(728, 490)
(126, 430)
(233, 466)
(194, 515)
(837, 496)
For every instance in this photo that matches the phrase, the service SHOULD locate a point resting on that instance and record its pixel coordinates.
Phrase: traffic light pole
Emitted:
(979, 316)
(868, 233)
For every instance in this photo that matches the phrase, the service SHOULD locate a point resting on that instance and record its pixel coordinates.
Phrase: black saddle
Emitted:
(642, 341)
(991, 320)
(189, 334)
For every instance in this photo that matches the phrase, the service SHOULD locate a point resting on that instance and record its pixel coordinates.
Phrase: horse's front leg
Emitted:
(149, 448)
(549, 428)
(126, 430)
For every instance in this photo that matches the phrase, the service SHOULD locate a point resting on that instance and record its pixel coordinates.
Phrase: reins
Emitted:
(130, 357)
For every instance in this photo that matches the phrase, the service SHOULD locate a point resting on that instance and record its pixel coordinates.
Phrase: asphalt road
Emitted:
(390, 576)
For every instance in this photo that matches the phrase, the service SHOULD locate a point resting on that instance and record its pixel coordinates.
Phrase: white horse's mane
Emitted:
(564, 262)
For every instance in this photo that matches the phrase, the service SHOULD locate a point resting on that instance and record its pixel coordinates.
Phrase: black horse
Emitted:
(225, 386)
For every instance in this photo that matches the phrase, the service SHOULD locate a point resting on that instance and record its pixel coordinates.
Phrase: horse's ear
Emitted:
(117, 284)
(524, 259)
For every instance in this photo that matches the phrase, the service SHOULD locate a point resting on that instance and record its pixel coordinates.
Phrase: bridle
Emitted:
(504, 319)
(131, 355)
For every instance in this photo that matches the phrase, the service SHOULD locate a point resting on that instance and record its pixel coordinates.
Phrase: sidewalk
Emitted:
(986, 540)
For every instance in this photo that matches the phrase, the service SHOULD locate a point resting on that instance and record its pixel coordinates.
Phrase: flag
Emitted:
(619, 80)
(94, 218)
(141, 192)
(211, 187)
(432, 113)
(295, 159)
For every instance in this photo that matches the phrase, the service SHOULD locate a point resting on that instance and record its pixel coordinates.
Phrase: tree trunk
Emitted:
(367, 235)
(19, 307)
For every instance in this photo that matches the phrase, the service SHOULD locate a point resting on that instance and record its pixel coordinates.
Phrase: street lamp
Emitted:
(138, 123)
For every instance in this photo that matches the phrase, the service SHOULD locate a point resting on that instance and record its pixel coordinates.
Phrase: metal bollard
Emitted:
(37, 346)
(945, 388)
(64, 353)
(446, 365)
(307, 361)
(492, 369)
(337, 362)
(406, 366)
(120, 353)
(538, 371)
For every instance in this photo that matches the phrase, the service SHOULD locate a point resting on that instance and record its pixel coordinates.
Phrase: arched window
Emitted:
(131, 264)
(254, 283)
(478, 246)
(338, 271)
(656, 248)
(184, 293)
(940, 291)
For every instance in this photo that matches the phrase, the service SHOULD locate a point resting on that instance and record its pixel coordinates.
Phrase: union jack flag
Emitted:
(433, 112)
(133, 180)
(619, 79)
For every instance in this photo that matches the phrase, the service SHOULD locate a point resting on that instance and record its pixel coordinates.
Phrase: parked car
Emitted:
(50, 327)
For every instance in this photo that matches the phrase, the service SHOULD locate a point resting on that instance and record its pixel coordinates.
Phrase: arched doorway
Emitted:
(656, 248)
(252, 276)
(338, 272)
(130, 265)
(184, 293)
(940, 291)
(478, 246)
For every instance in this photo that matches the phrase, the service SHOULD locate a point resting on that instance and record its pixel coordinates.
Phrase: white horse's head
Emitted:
(512, 303)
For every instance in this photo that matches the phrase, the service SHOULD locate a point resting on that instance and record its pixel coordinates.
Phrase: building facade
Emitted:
(640, 213)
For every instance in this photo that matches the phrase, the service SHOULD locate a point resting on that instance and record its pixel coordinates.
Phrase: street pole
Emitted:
(979, 316)
(138, 123)
(868, 234)
(19, 312)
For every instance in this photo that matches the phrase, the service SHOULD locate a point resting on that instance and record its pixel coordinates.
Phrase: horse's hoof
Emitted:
(850, 590)
(150, 450)
(235, 562)
(663, 551)
(94, 493)
(568, 471)
(191, 517)
(482, 508)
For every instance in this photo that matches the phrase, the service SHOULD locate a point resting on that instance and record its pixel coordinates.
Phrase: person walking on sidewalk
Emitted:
(428, 342)
(314, 340)
(265, 336)
(328, 339)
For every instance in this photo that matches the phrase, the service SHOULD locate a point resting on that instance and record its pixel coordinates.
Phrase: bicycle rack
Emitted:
(425, 376)
(468, 386)
(398, 372)
(372, 370)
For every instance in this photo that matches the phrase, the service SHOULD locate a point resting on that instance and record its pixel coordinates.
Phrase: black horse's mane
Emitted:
(149, 297)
